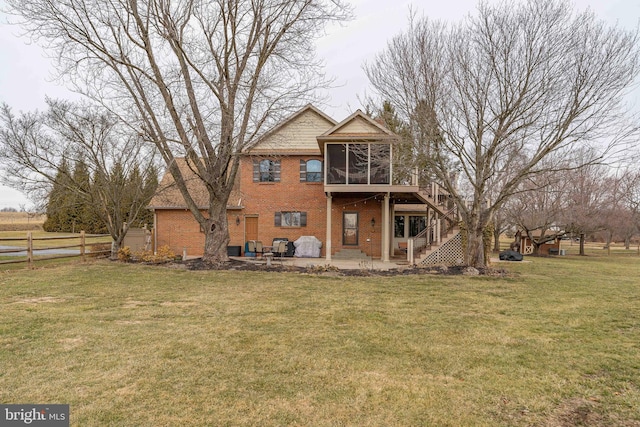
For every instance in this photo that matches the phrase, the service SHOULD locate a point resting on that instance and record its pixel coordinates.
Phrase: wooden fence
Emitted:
(84, 248)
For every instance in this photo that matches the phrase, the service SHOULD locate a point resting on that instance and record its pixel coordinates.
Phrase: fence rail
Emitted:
(29, 252)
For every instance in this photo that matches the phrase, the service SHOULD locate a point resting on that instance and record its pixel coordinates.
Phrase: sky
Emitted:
(25, 73)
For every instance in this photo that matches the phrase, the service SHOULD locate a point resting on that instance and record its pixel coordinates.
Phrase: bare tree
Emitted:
(619, 212)
(496, 94)
(539, 208)
(200, 79)
(501, 225)
(588, 199)
(35, 145)
(631, 200)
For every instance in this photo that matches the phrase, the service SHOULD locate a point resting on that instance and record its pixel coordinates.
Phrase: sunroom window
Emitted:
(358, 164)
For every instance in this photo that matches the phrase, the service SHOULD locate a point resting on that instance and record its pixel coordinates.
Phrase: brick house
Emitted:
(313, 176)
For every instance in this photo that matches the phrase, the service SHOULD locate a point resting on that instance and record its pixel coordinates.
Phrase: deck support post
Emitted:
(385, 229)
(327, 247)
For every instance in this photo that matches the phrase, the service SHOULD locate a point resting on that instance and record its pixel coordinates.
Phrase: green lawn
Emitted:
(555, 344)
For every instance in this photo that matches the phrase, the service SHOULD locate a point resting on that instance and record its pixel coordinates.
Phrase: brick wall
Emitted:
(367, 209)
(264, 199)
(179, 230)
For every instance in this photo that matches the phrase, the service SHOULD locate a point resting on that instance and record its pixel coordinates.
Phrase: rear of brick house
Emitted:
(313, 176)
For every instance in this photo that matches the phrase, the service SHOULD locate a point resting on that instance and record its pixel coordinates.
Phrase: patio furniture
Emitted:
(259, 248)
(251, 248)
(280, 249)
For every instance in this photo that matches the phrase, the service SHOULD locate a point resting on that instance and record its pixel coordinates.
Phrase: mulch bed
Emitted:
(235, 265)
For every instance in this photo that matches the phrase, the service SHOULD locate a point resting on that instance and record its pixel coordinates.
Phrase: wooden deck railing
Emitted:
(94, 248)
(442, 225)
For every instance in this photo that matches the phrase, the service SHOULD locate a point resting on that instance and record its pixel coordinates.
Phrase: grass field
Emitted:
(557, 343)
(21, 221)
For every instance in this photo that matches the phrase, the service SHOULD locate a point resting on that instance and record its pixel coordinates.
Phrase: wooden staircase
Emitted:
(438, 244)
(448, 251)
(435, 197)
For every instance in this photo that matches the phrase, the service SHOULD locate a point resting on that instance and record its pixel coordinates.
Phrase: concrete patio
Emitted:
(342, 264)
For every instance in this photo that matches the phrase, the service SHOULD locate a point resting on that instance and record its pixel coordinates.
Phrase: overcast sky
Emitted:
(25, 72)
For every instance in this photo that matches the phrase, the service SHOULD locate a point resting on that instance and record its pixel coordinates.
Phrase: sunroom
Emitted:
(360, 186)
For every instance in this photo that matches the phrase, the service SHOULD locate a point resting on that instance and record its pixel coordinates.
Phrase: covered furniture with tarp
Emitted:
(510, 256)
(307, 247)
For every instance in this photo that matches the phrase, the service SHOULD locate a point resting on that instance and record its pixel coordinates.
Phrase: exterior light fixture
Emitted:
(373, 222)
(237, 219)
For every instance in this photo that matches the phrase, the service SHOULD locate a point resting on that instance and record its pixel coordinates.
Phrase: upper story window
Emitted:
(358, 163)
(266, 170)
(336, 163)
(379, 164)
(310, 171)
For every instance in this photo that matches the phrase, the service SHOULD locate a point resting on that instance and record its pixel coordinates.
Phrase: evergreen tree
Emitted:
(105, 176)
(82, 204)
(59, 201)
(149, 188)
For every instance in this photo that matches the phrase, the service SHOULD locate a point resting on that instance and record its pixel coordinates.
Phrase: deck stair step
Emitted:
(437, 205)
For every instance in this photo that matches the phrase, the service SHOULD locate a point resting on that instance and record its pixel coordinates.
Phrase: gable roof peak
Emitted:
(360, 115)
(294, 133)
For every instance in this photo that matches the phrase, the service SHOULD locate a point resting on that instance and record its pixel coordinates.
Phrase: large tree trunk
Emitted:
(475, 249)
(475, 256)
(581, 243)
(475, 221)
(216, 232)
(496, 239)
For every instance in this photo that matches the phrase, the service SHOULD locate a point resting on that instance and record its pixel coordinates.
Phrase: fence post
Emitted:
(29, 250)
(82, 245)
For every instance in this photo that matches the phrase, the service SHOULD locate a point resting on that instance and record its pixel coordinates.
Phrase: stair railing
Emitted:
(436, 191)
(425, 239)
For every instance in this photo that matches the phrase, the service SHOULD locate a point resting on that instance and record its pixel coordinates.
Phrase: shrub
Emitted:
(124, 254)
(144, 256)
(164, 254)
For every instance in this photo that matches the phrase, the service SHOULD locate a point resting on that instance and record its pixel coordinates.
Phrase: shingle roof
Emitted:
(168, 195)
